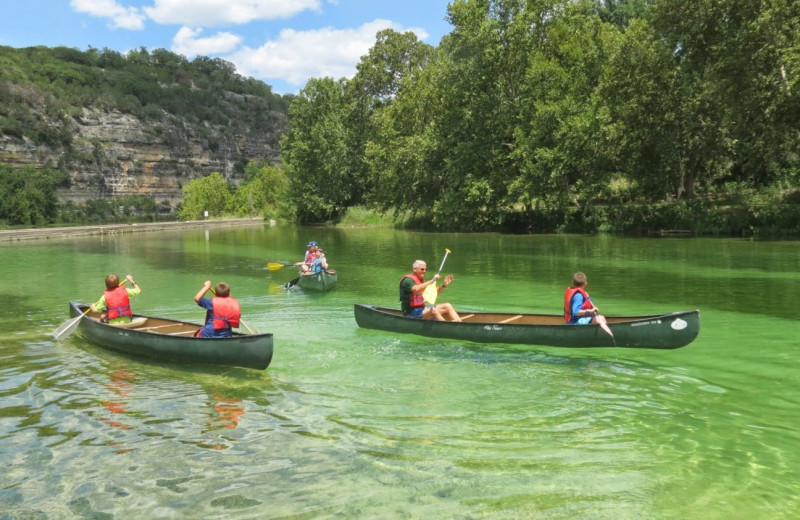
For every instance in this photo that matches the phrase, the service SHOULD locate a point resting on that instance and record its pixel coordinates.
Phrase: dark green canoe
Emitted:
(662, 331)
(172, 340)
(321, 281)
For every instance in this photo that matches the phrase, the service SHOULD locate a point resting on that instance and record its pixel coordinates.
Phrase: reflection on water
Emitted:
(365, 424)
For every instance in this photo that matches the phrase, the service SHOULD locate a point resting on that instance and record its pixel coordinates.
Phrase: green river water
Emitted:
(353, 423)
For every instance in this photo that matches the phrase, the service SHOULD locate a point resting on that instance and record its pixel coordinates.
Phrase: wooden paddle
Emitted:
(68, 327)
(432, 292)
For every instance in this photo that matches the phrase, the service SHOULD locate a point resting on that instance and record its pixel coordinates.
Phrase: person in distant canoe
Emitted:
(413, 305)
(222, 311)
(579, 308)
(319, 263)
(305, 265)
(115, 303)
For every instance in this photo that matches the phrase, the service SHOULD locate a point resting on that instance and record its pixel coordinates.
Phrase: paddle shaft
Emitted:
(431, 293)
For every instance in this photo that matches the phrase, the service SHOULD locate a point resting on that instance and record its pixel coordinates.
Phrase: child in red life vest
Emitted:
(222, 311)
(116, 300)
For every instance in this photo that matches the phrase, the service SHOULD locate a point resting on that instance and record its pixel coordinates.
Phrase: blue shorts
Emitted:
(416, 312)
(585, 320)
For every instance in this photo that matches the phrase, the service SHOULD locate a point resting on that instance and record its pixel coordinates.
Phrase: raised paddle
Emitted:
(432, 292)
(68, 327)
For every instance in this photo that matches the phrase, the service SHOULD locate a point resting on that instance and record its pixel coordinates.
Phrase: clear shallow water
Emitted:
(364, 424)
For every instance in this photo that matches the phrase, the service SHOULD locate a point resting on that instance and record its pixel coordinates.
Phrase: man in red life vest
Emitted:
(411, 288)
(222, 311)
(116, 300)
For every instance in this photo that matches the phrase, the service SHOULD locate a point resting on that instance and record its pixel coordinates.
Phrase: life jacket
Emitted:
(414, 299)
(225, 312)
(309, 257)
(117, 303)
(587, 302)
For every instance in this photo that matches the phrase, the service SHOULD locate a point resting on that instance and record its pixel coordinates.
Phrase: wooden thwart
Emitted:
(507, 320)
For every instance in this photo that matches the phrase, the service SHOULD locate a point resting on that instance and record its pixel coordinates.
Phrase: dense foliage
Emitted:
(560, 114)
(27, 195)
(42, 88)
(264, 191)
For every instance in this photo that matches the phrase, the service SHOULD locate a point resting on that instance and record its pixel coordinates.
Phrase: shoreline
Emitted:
(15, 235)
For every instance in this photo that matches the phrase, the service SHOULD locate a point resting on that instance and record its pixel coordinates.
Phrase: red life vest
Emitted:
(309, 257)
(414, 299)
(117, 303)
(587, 302)
(225, 312)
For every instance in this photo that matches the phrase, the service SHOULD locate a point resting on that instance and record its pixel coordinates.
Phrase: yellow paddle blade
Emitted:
(274, 266)
(430, 294)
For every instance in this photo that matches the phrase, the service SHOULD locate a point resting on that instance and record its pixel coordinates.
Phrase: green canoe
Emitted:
(172, 340)
(321, 281)
(661, 331)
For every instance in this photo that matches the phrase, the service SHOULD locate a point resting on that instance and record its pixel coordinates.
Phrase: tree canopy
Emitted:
(535, 114)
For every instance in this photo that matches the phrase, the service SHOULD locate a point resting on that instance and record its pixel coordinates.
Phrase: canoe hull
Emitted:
(171, 340)
(321, 281)
(662, 331)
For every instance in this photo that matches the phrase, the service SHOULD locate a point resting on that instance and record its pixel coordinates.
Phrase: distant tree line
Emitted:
(615, 115)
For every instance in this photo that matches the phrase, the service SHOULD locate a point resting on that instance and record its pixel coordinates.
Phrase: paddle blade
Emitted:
(601, 320)
(247, 327)
(274, 266)
(67, 328)
(430, 294)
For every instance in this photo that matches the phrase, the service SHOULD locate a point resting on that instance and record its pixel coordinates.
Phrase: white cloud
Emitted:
(297, 56)
(210, 13)
(187, 43)
(121, 17)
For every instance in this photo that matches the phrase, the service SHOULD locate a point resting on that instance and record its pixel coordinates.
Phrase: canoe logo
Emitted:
(679, 324)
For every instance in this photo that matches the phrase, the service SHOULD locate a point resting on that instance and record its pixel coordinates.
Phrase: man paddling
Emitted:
(411, 288)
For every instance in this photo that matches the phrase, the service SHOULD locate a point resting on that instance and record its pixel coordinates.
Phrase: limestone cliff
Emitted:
(115, 154)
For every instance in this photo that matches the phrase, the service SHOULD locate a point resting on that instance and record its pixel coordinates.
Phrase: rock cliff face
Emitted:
(115, 154)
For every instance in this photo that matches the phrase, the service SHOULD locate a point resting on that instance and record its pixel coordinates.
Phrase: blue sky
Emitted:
(281, 42)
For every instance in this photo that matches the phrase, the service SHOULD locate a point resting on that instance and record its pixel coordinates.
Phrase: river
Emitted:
(353, 423)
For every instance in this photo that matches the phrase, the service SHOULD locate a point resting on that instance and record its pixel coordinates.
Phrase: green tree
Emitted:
(210, 193)
(264, 191)
(27, 195)
(315, 152)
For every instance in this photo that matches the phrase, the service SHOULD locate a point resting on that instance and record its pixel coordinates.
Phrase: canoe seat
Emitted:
(183, 333)
(466, 317)
(134, 323)
(512, 318)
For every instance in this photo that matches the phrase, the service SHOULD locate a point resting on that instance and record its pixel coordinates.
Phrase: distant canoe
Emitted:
(321, 281)
(167, 339)
(658, 331)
